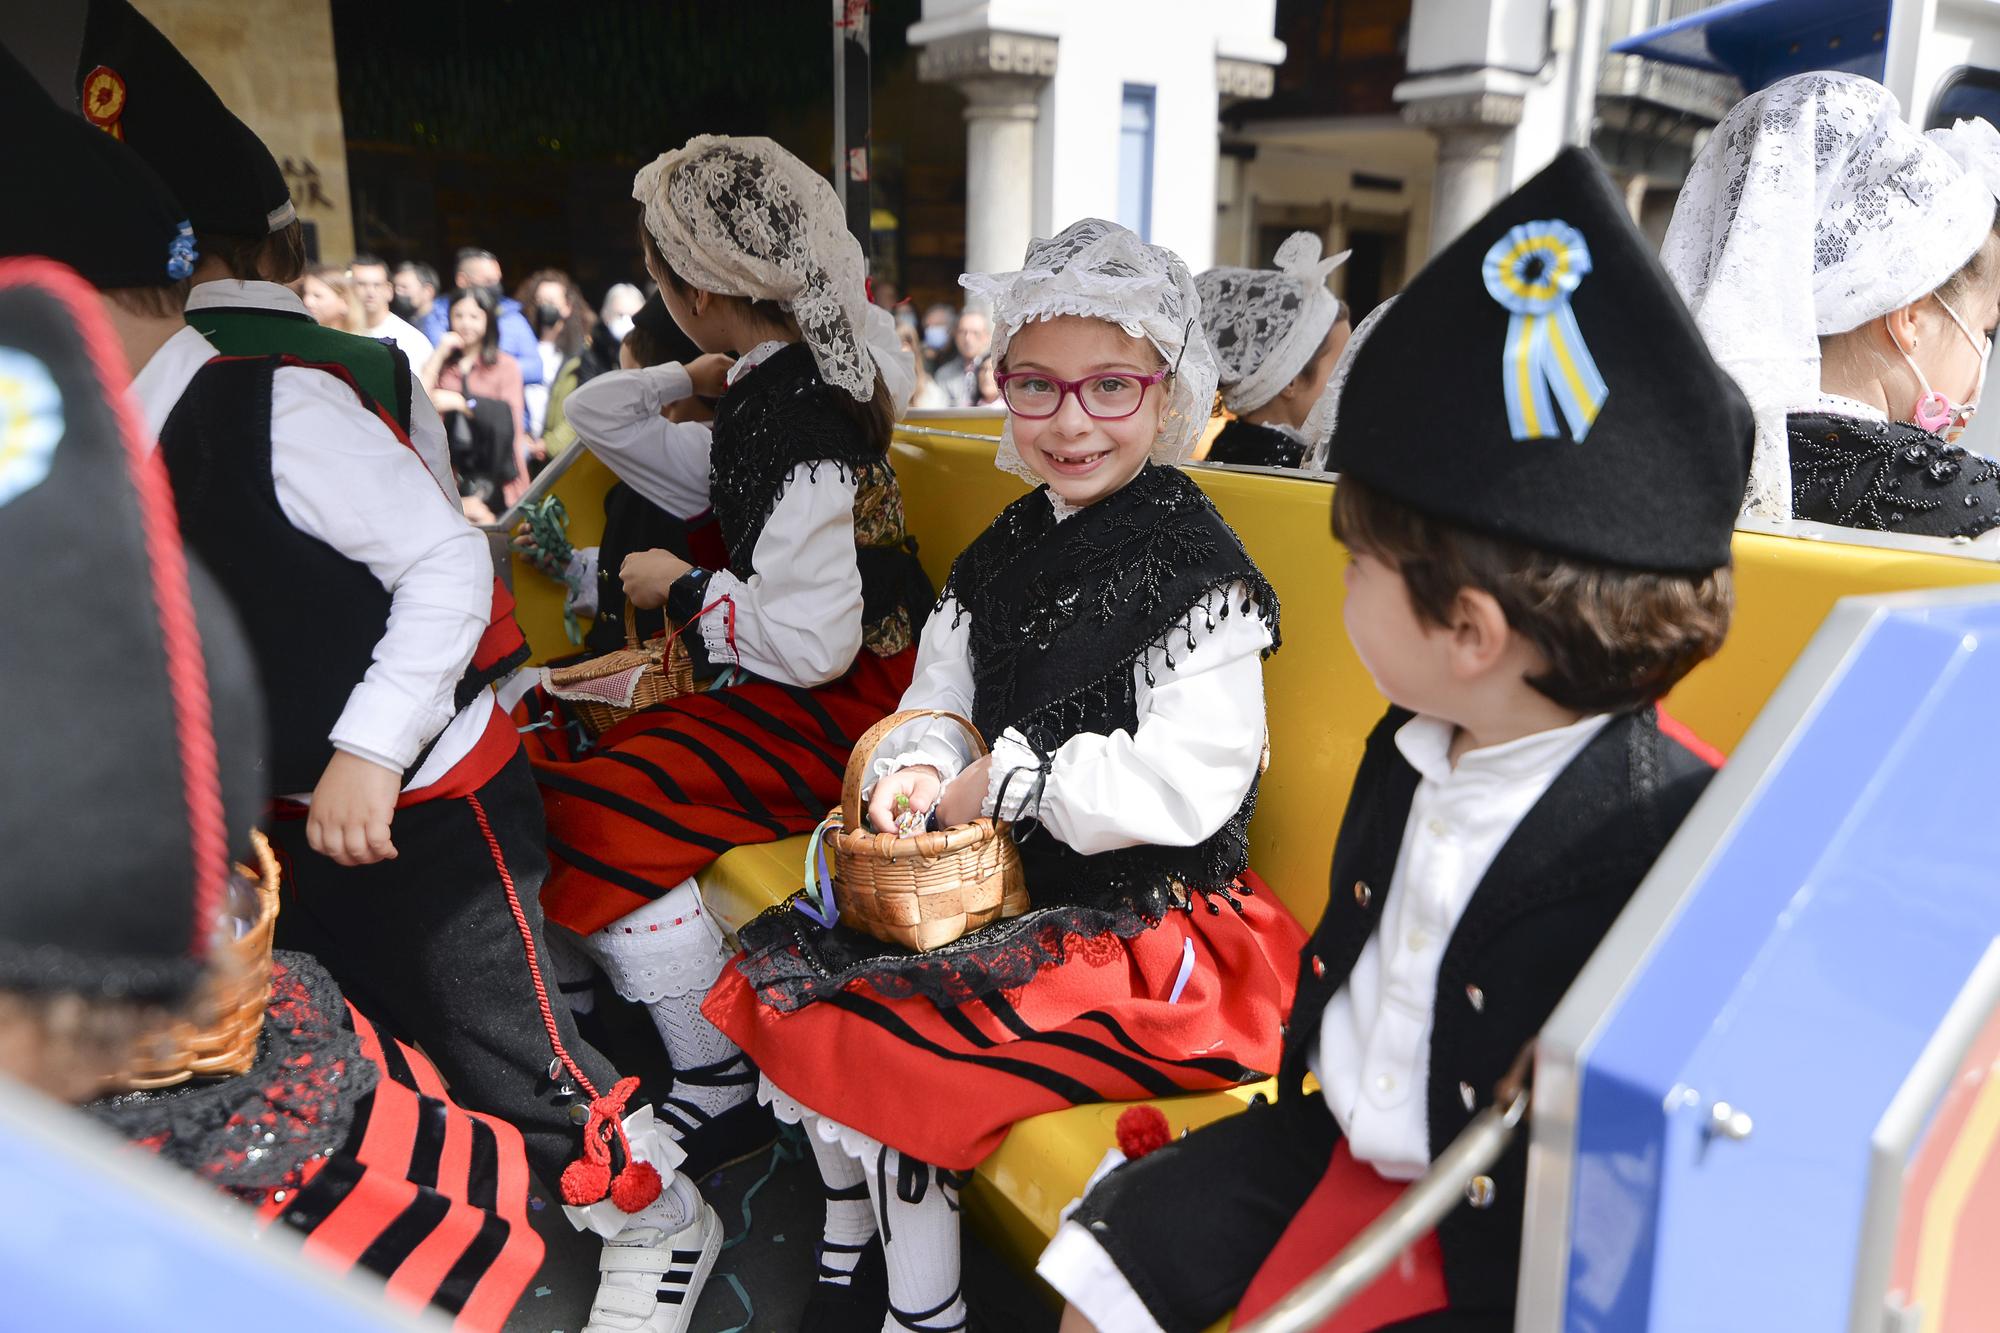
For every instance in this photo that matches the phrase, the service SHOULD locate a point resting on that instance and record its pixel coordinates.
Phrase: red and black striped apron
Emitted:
(670, 789)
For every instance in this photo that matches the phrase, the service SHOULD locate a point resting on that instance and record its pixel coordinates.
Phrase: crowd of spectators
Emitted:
(498, 366)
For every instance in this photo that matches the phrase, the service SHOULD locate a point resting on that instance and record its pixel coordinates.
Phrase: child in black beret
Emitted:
(1527, 576)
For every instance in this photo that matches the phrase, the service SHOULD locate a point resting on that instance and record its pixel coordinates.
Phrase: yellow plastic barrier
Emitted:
(1321, 702)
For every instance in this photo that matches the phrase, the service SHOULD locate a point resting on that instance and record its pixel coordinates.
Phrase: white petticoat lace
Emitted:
(1100, 270)
(1812, 209)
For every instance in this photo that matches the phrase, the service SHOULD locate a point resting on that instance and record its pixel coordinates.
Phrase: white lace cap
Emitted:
(743, 217)
(1100, 270)
(1812, 209)
(1324, 418)
(1265, 324)
(1975, 145)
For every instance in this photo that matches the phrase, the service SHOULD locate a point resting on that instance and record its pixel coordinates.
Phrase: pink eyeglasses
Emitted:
(1108, 396)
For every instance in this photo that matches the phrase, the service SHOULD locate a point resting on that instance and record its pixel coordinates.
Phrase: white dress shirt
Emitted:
(426, 427)
(1172, 781)
(343, 478)
(1374, 1055)
(798, 616)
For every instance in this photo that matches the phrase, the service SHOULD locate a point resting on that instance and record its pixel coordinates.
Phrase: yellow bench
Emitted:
(1322, 706)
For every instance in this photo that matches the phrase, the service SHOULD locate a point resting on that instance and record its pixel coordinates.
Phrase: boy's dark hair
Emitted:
(1614, 639)
(876, 417)
(366, 260)
(279, 257)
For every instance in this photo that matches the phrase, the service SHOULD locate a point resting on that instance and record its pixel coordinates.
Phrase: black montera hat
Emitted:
(137, 728)
(132, 84)
(84, 199)
(1585, 416)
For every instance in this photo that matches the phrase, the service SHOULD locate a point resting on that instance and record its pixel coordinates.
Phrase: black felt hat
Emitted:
(132, 83)
(85, 199)
(1542, 381)
(130, 769)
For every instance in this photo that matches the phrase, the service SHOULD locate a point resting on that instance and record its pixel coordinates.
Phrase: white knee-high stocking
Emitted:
(916, 1207)
(850, 1217)
(665, 956)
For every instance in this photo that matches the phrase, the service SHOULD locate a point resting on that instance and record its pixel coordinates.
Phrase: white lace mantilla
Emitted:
(1264, 324)
(1324, 418)
(743, 217)
(1812, 209)
(1100, 270)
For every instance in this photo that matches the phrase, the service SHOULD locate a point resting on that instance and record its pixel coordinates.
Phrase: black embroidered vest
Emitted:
(1247, 444)
(782, 416)
(1889, 476)
(1066, 617)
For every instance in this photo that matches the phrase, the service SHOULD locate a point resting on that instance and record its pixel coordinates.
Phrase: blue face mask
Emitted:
(937, 337)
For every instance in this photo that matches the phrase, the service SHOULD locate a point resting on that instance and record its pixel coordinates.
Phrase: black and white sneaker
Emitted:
(649, 1282)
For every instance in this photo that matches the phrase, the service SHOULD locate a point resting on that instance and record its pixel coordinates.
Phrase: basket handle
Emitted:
(631, 625)
(864, 755)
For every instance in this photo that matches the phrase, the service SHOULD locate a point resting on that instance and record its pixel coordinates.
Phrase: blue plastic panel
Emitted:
(99, 1238)
(1800, 981)
(1762, 41)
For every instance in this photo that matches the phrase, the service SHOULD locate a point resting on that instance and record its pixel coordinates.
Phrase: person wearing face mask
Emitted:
(1845, 270)
(416, 289)
(939, 321)
(1277, 334)
(562, 325)
(621, 304)
(1106, 635)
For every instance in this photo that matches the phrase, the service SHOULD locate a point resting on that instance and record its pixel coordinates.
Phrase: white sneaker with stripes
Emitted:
(650, 1281)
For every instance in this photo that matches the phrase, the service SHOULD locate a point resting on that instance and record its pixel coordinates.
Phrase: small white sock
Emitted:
(916, 1207)
(850, 1217)
(665, 956)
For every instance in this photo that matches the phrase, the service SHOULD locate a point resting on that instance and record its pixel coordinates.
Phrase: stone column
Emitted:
(999, 172)
(1002, 76)
(1471, 129)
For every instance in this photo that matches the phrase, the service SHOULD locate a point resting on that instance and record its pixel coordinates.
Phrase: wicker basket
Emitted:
(666, 672)
(221, 1039)
(926, 890)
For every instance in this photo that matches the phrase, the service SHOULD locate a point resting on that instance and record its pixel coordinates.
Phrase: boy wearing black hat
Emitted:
(1526, 579)
(414, 850)
(133, 84)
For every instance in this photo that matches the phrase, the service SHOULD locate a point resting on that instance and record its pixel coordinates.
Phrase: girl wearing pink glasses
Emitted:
(1106, 635)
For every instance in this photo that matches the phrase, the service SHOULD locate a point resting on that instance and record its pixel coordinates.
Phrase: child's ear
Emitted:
(1479, 632)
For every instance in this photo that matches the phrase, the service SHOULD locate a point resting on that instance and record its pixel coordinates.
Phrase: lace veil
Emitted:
(1100, 270)
(1265, 324)
(1812, 209)
(743, 217)
(1325, 415)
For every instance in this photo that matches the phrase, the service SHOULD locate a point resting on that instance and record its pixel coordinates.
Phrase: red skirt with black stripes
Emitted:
(668, 790)
(1105, 1025)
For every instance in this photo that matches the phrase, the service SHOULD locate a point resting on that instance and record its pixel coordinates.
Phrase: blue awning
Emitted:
(1762, 41)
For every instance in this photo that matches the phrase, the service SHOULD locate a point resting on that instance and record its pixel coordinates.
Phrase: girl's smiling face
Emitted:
(1082, 458)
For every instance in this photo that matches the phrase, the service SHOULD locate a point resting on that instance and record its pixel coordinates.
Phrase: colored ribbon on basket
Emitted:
(1187, 970)
(815, 902)
(1546, 366)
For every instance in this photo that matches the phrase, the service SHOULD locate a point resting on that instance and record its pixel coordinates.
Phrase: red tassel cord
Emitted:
(586, 1180)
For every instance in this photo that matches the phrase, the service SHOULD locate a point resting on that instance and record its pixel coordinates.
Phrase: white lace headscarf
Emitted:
(743, 217)
(1266, 324)
(1324, 418)
(1100, 270)
(1812, 209)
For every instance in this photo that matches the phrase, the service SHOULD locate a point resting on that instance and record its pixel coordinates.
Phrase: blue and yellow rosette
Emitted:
(1546, 367)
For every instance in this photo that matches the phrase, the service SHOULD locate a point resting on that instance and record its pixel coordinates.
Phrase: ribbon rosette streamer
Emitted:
(1532, 272)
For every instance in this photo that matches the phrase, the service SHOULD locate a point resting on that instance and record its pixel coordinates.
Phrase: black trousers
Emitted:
(1190, 1225)
(428, 946)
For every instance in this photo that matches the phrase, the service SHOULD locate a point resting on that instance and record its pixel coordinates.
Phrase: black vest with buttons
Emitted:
(1550, 895)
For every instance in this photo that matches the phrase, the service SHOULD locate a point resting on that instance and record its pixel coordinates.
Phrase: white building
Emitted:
(1103, 108)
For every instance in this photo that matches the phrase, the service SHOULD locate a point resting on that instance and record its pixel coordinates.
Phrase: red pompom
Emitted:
(584, 1182)
(637, 1185)
(1141, 1129)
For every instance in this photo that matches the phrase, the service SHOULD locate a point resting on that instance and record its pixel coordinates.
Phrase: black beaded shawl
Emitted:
(1250, 445)
(1890, 477)
(779, 417)
(1066, 617)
